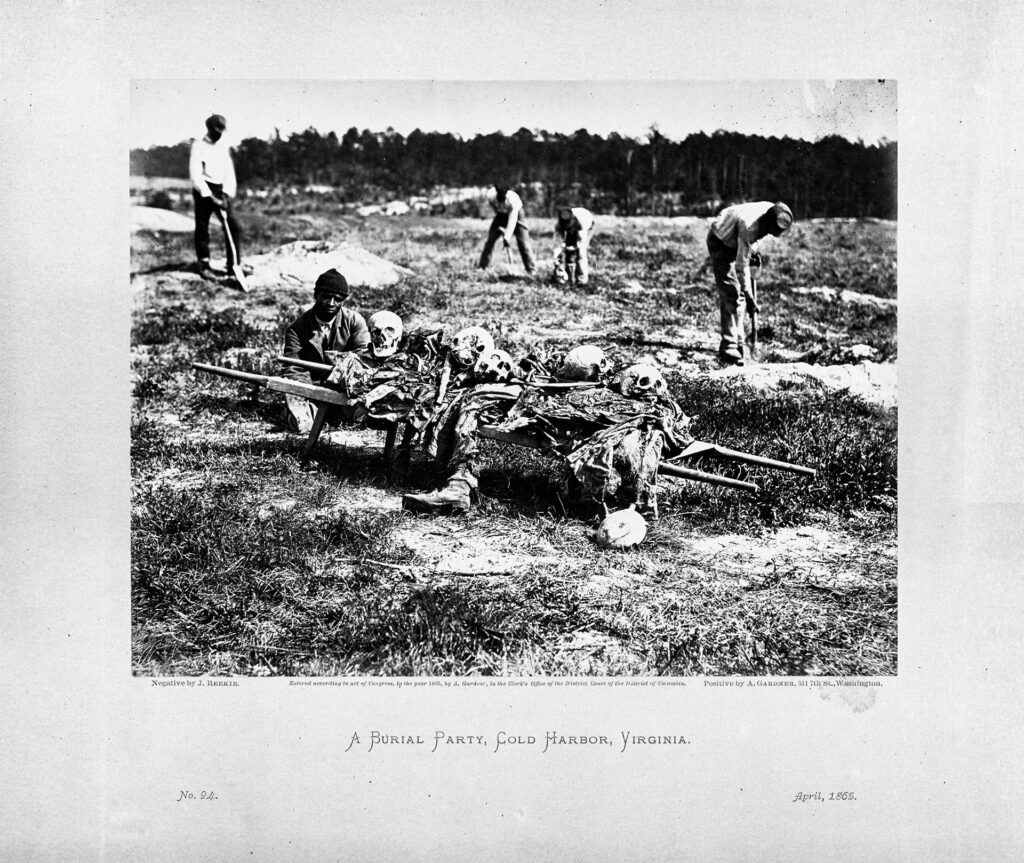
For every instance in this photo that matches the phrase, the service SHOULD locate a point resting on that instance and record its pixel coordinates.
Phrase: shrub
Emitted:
(204, 330)
(159, 199)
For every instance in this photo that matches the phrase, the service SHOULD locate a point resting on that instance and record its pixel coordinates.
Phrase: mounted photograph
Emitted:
(513, 378)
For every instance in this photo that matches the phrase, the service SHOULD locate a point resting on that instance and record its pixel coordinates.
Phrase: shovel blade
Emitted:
(236, 271)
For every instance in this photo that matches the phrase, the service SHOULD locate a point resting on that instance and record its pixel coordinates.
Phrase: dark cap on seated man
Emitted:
(330, 291)
(332, 282)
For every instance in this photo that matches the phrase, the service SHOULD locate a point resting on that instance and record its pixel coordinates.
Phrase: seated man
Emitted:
(573, 228)
(318, 335)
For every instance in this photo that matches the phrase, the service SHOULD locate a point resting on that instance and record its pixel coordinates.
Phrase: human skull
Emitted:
(621, 529)
(494, 365)
(584, 363)
(642, 380)
(385, 333)
(470, 344)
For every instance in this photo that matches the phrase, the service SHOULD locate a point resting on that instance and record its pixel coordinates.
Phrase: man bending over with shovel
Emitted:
(732, 240)
(213, 186)
(507, 222)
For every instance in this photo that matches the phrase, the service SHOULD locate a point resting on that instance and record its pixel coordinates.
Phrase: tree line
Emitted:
(615, 174)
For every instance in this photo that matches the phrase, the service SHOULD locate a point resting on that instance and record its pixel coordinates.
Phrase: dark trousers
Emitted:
(522, 233)
(204, 208)
(731, 303)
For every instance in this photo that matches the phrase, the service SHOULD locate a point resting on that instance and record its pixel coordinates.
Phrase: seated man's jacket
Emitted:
(304, 340)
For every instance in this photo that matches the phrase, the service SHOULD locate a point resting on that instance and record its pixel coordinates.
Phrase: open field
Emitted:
(248, 561)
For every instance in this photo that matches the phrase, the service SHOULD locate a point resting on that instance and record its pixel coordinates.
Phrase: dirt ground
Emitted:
(829, 556)
(285, 273)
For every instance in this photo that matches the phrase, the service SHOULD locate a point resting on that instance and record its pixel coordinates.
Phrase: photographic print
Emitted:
(475, 433)
(520, 378)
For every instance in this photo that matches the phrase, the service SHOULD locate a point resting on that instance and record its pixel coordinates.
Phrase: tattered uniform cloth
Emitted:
(400, 388)
(610, 444)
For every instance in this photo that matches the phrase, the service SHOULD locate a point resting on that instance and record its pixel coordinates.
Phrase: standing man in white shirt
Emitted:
(507, 222)
(574, 227)
(213, 186)
(732, 240)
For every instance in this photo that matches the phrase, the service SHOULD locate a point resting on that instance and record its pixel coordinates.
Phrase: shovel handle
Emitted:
(753, 316)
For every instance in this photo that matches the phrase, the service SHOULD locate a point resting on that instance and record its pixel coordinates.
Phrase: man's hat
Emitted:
(565, 214)
(332, 282)
(216, 121)
(782, 216)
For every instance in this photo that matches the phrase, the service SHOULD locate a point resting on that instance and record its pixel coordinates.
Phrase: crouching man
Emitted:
(573, 229)
(318, 335)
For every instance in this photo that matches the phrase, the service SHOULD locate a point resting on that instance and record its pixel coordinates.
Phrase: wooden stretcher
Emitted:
(325, 398)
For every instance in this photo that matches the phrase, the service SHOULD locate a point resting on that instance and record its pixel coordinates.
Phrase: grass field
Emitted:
(246, 560)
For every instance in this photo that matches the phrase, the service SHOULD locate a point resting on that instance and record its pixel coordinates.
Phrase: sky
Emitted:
(167, 111)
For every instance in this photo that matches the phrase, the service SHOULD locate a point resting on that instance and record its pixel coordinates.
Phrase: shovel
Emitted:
(236, 268)
(507, 272)
(753, 310)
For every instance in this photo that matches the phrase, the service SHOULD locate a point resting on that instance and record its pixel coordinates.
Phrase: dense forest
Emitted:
(829, 177)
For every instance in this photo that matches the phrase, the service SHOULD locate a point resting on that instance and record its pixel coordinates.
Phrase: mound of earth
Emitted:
(299, 263)
(292, 267)
(873, 382)
(845, 296)
(157, 219)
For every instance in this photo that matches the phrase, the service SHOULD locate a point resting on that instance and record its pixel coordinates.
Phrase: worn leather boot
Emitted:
(207, 272)
(454, 497)
(730, 356)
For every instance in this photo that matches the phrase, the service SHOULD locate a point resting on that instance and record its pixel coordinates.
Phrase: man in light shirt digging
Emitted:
(732, 240)
(507, 223)
(213, 186)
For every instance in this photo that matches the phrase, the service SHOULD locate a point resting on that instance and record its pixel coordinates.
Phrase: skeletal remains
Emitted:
(642, 380)
(585, 363)
(469, 344)
(385, 333)
(621, 529)
(494, 366)
(628, 452)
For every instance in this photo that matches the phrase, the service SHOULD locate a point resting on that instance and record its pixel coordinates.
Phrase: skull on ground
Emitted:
(621, 529)
(470, 344)
(642, 380)
(385, 333)
(584, 363)
(493, 366)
